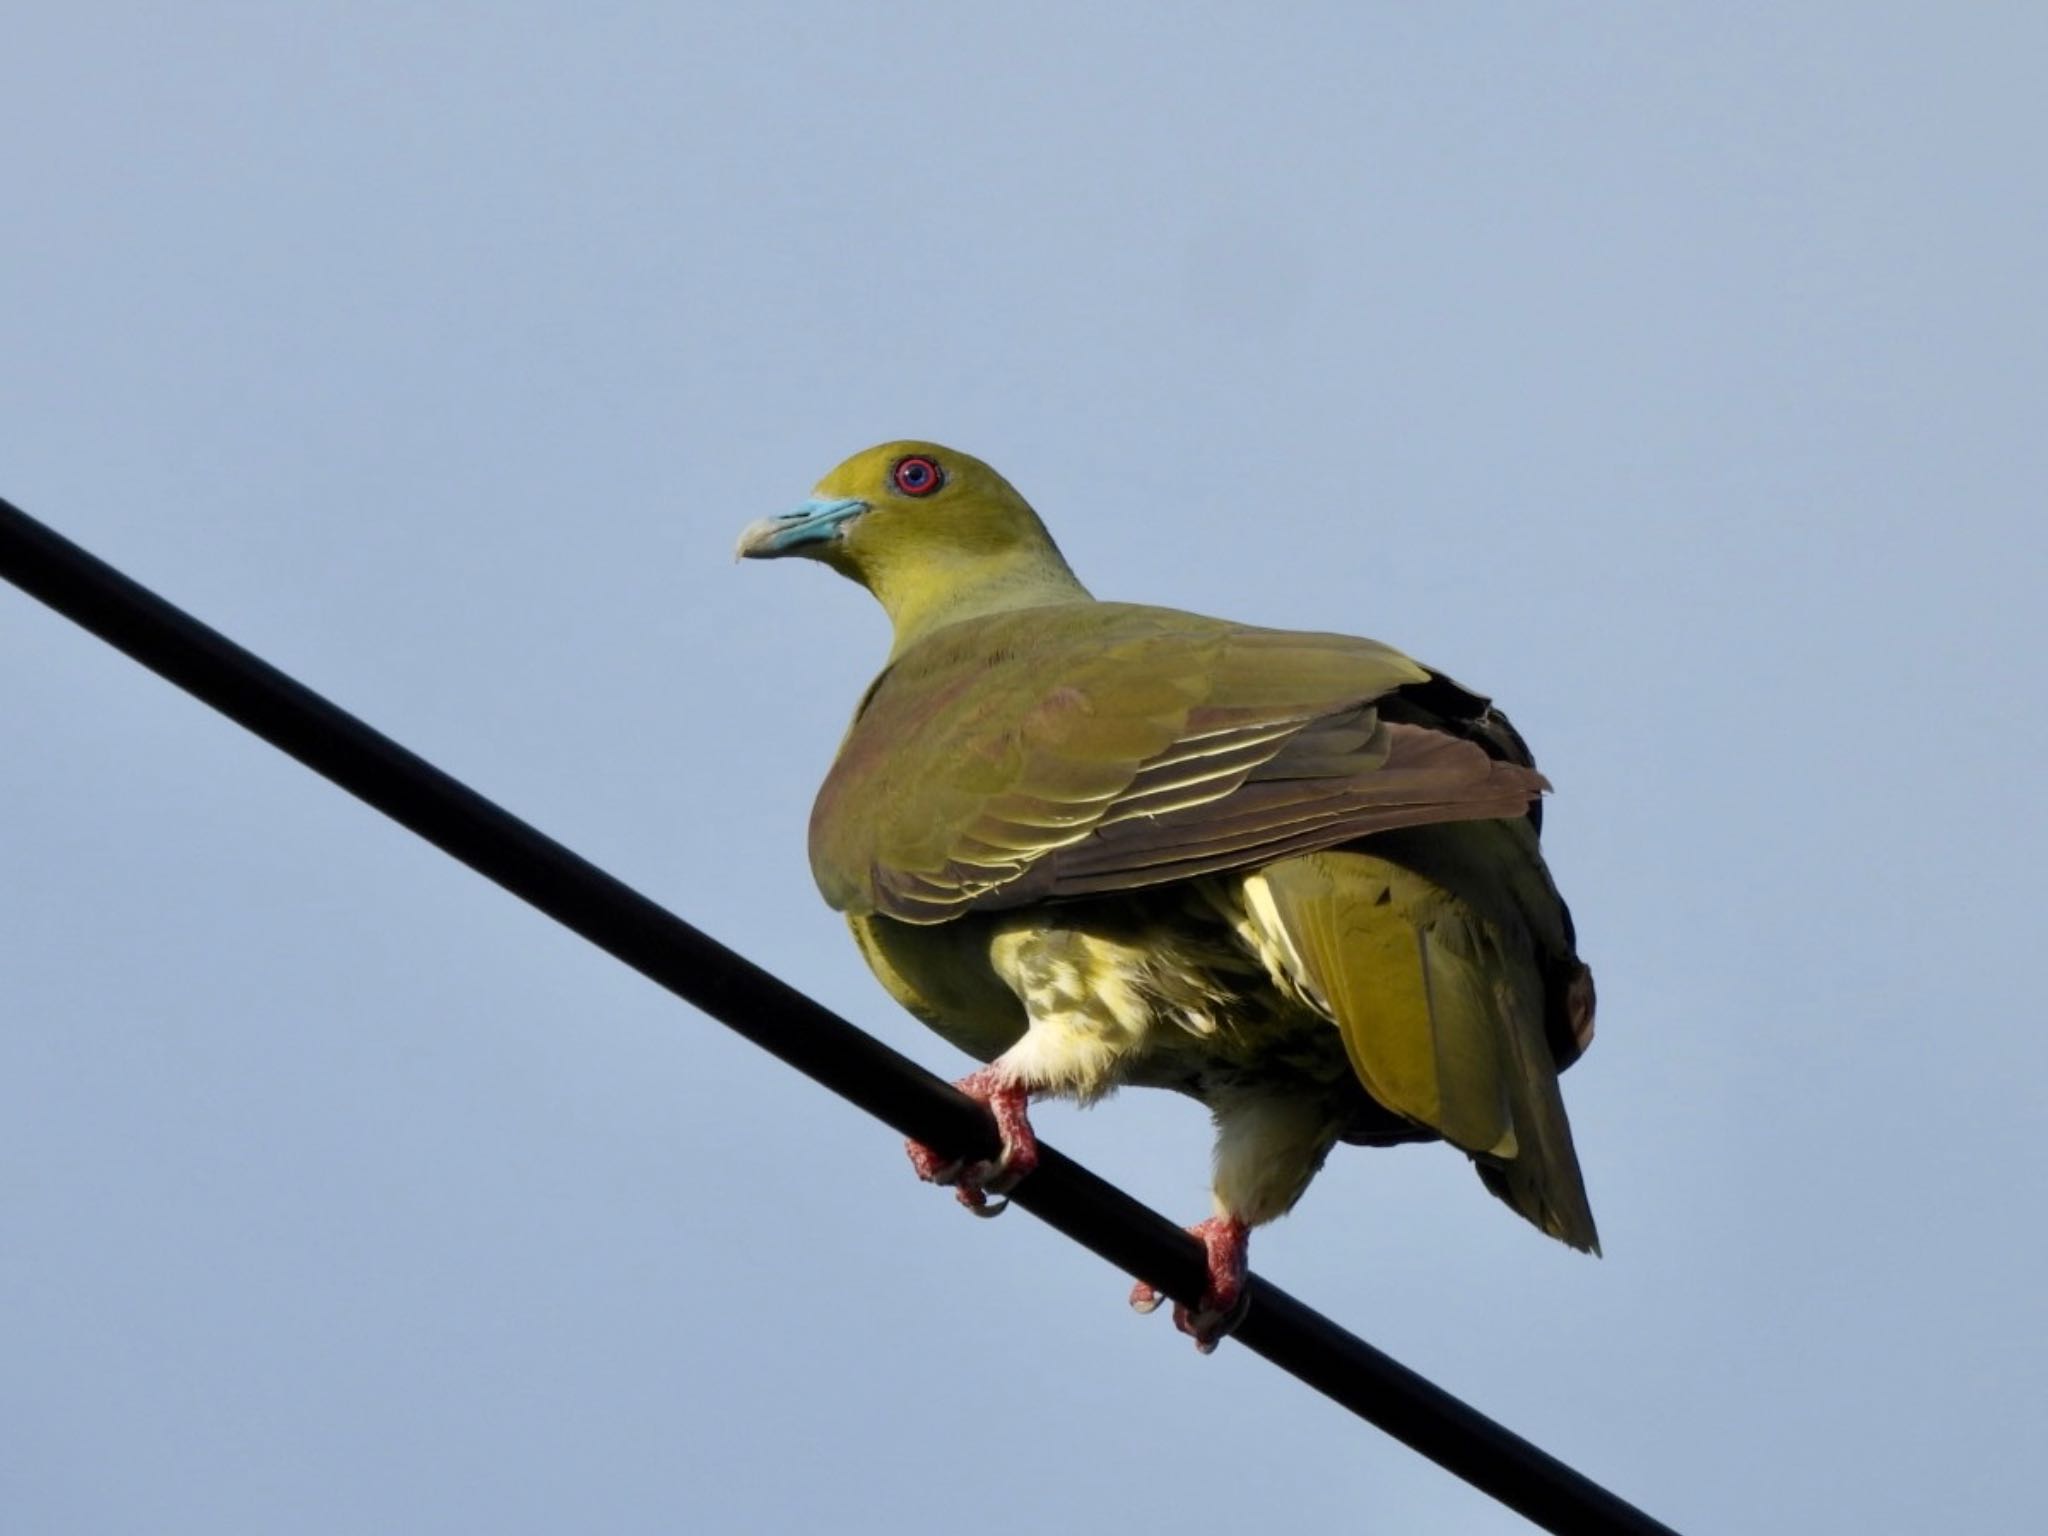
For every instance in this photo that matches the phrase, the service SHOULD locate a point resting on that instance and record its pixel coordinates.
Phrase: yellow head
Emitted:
(936, 535)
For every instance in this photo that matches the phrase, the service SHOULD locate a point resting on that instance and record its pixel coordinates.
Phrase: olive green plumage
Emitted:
(1294, 875)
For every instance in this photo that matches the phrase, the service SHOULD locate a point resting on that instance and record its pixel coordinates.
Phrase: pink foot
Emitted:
(1225, 1303)
(973, 1183)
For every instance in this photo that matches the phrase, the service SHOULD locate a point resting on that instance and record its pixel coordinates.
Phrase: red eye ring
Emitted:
(917, 475)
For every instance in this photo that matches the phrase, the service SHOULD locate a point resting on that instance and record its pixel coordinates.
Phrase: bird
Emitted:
(1293, 875)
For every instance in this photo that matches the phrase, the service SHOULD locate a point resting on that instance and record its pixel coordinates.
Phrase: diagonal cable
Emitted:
(778, 1018)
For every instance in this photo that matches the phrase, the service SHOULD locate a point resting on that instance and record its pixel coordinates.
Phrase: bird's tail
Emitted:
(1442, 1015)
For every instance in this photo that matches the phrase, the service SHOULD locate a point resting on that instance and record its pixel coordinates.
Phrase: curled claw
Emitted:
(975, 1198)
(972, 1183)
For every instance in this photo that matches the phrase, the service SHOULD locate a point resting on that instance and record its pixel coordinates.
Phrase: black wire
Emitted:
(778, 1018)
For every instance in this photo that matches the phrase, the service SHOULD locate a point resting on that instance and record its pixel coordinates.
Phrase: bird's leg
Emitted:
(1226, 1240)
(1269, 1142)
(1009, 1102)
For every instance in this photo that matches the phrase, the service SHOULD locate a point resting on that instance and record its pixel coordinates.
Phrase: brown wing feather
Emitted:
(1421, 776)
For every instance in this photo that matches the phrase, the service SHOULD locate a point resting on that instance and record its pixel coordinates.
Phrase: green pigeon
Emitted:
(1295, 876)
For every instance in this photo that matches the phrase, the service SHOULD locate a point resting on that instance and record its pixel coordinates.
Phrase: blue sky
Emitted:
(1672, 374)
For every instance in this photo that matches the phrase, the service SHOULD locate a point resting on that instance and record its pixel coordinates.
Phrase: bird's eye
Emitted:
(917, 476)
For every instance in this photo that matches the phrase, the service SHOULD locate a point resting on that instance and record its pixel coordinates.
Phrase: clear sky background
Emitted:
(1673, 374)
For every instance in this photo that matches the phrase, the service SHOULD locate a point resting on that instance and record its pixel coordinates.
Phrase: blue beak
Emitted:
(815, 522)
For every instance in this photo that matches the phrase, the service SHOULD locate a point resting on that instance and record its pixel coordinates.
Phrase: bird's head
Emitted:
(935, 534)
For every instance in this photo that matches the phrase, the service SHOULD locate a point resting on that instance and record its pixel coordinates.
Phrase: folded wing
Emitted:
(1097, 747)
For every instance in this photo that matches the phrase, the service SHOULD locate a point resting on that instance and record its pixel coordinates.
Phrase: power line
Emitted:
(775, 1016)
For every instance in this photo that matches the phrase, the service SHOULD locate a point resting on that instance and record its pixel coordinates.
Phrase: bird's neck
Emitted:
(934, 593)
